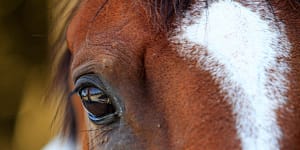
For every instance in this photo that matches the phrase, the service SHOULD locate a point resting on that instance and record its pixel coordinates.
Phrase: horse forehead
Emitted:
(96, 20)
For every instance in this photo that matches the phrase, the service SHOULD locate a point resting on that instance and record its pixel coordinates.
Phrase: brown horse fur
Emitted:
(169, 103)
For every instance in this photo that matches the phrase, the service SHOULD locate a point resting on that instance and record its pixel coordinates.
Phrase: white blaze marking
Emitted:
(58, 143)
(242, 51)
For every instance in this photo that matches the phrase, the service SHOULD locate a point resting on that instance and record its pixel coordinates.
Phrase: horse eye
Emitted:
(98, 104)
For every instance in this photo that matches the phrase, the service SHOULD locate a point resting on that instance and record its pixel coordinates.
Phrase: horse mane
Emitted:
(160, 12)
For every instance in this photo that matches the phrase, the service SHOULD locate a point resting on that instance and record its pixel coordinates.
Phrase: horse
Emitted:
(180, 74)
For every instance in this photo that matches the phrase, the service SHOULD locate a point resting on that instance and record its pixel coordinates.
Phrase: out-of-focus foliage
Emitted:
(23, 55)
(28, 31)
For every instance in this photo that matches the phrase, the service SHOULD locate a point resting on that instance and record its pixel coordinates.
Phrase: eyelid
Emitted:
(89, 80)
(84, 69)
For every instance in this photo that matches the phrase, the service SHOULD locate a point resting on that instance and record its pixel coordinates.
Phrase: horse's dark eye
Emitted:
(98, 105)
(102, 106)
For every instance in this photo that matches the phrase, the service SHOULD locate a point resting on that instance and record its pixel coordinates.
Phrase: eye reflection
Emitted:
(84, 94)
(96, 102)
(94, 94)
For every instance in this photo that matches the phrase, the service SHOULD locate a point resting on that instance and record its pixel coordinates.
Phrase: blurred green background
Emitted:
(25, 121)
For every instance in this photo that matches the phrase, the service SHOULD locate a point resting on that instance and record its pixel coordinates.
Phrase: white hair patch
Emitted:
(245, 51)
